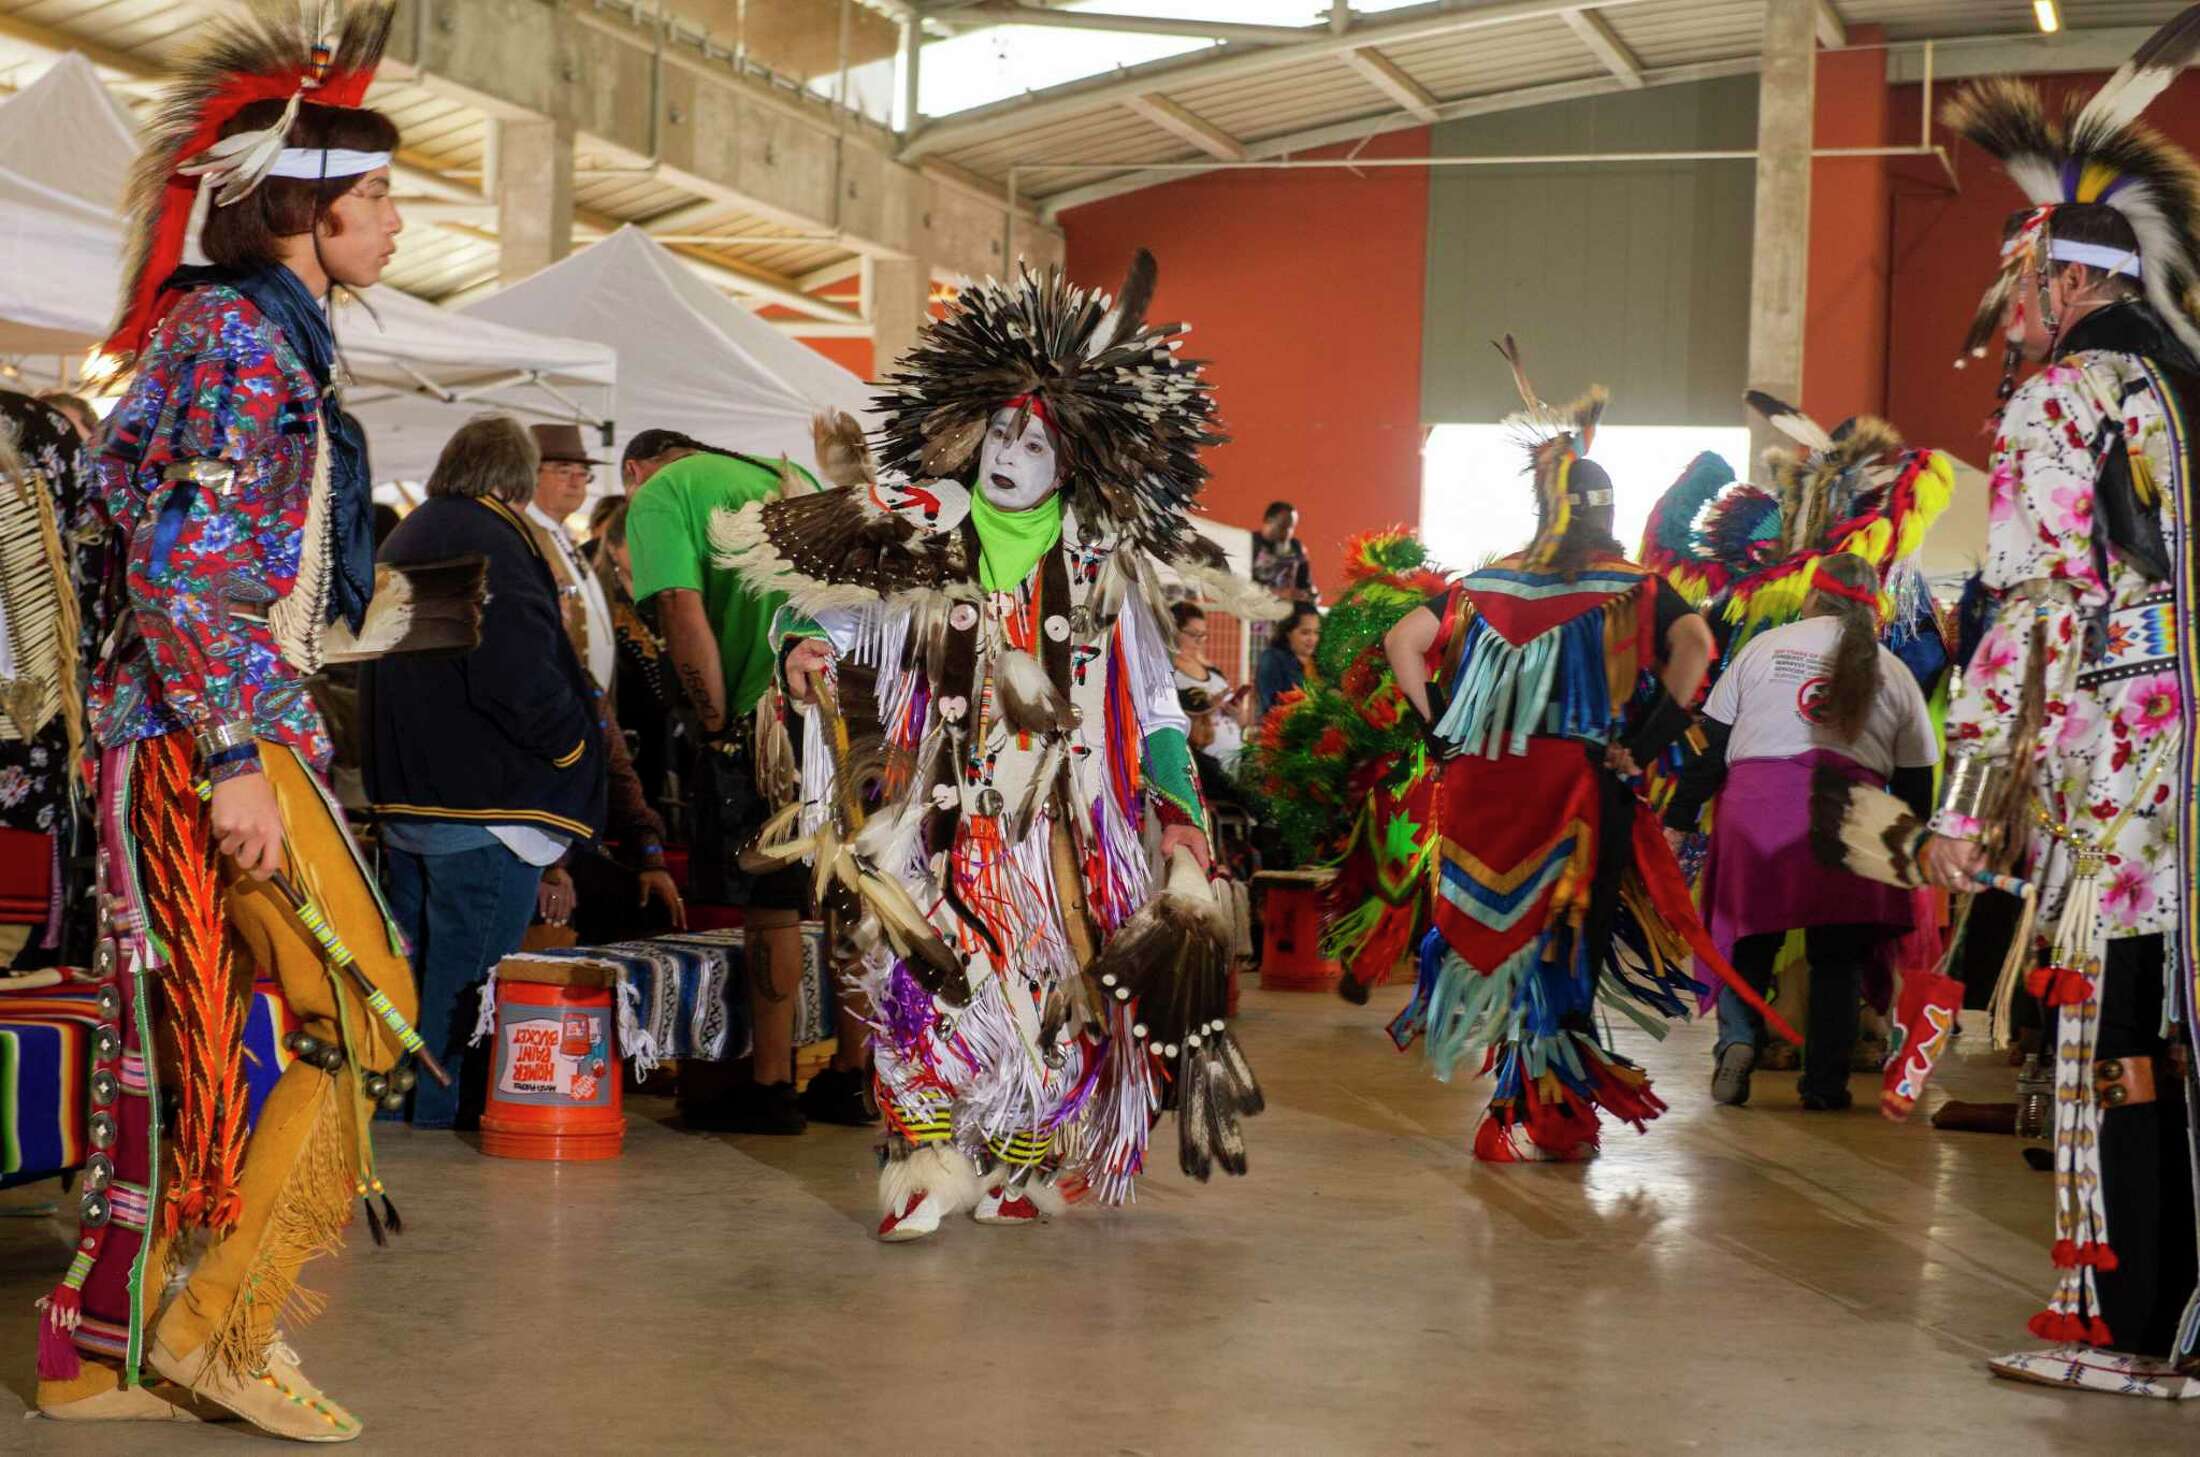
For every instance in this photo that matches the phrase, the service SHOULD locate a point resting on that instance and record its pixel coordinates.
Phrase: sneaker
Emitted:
(768, 1108)
(842, 1096)
(1839, 1102)
(1730, 1074)
(918, 1216)
(999, 1206)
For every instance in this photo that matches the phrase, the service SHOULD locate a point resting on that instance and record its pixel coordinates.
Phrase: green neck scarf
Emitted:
(1010, 543)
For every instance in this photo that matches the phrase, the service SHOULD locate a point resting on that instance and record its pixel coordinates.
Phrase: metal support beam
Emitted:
(1134, 176)
(1388, 77)
(1392, 28)
(1597, 34)
(1184, 123)
(1833, 31)
(1780, 259)
(832, 273)
(1007, 12)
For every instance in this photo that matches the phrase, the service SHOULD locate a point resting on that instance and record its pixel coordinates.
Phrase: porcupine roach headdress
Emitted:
(1853, 489)
(2096, 154)
(1555, 438)
(1130, 414)
(266, 54)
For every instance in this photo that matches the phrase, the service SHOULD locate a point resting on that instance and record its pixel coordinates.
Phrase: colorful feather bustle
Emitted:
(1888, 531)
(1675, 543)
(206, 997)
(1342, 770)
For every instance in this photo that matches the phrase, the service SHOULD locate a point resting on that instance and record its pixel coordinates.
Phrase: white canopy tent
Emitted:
(690, 359)
(66, 148)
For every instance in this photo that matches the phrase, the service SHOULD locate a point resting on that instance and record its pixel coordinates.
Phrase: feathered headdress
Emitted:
(2096, 154)
(1130, 414)
(1825, 477)
(1555, 438)
(1853, 489)
(266, 54)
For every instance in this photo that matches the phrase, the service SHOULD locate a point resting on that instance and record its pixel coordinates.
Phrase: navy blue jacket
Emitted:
(507, 734)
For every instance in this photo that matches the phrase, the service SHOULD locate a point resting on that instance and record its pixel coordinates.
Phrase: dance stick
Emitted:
(339, 955)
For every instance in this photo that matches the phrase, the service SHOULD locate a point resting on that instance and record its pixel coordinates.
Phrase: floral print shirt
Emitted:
(203, 562)
(34, 772)
(2112, 700)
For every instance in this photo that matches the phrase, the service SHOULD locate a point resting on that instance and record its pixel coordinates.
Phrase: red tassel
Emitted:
(2045, 1325)
(1491, 1145)
(1563, 1126)
(2066, 1254)
(2098, 1334)
(2059, 986)
(2104, 1258)
(57, 1355)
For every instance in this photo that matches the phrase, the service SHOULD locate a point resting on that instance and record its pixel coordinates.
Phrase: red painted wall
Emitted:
(1845, 327)
(1304, 291)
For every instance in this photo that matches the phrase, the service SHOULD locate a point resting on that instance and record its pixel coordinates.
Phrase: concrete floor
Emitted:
(1753, 1280)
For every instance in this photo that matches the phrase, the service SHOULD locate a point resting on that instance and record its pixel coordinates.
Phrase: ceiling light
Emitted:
(2044, 11)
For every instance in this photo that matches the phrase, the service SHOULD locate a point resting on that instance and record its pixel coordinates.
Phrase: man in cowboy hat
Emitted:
(562, 484)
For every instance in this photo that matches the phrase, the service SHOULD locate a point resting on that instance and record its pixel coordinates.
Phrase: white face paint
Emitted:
(1017, 472)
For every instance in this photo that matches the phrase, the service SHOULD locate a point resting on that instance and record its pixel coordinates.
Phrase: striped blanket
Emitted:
(45, 1059)
(686, 995)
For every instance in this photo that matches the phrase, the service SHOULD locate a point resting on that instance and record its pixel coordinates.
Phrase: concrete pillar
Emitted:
(1780, 259)
(531, 167)
(897, 297)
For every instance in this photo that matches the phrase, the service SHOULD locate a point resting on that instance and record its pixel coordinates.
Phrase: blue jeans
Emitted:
(463, 913)
(1836, 955)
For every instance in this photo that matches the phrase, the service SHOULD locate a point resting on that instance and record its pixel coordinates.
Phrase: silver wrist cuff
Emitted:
(224, 736)
(1970, 783)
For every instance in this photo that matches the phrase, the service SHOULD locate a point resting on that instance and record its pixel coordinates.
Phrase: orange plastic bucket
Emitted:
(555, 1082)
(1291, 934)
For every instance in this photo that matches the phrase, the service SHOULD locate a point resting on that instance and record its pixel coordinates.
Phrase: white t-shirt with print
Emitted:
(1772, 696)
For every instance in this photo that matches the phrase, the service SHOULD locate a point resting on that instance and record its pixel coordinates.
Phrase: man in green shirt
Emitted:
(716, 633)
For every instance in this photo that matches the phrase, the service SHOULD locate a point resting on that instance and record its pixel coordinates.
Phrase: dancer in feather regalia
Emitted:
(1556, 671)
(236, 494)
(1040, 992)
(2071, 744)
(1744, 554)
(1344, 770)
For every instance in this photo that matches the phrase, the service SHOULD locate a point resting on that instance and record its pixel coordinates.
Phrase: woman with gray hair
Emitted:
(483, 768)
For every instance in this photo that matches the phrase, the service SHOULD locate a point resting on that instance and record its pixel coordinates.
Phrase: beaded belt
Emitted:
(2133, 640)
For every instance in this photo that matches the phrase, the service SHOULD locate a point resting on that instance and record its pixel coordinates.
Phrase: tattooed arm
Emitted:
(693, 648)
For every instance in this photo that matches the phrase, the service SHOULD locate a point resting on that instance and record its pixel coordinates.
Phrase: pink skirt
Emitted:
(1762, 877)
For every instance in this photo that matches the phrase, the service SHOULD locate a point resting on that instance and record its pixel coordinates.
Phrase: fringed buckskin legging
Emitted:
(300, 1169)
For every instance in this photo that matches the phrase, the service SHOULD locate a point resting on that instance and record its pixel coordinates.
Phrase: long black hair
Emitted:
(1854, 685)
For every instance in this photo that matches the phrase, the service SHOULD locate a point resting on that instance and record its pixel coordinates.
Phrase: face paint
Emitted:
(1017, 472)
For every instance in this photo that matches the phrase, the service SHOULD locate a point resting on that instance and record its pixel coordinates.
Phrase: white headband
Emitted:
(2095, 255)
(311, 164)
